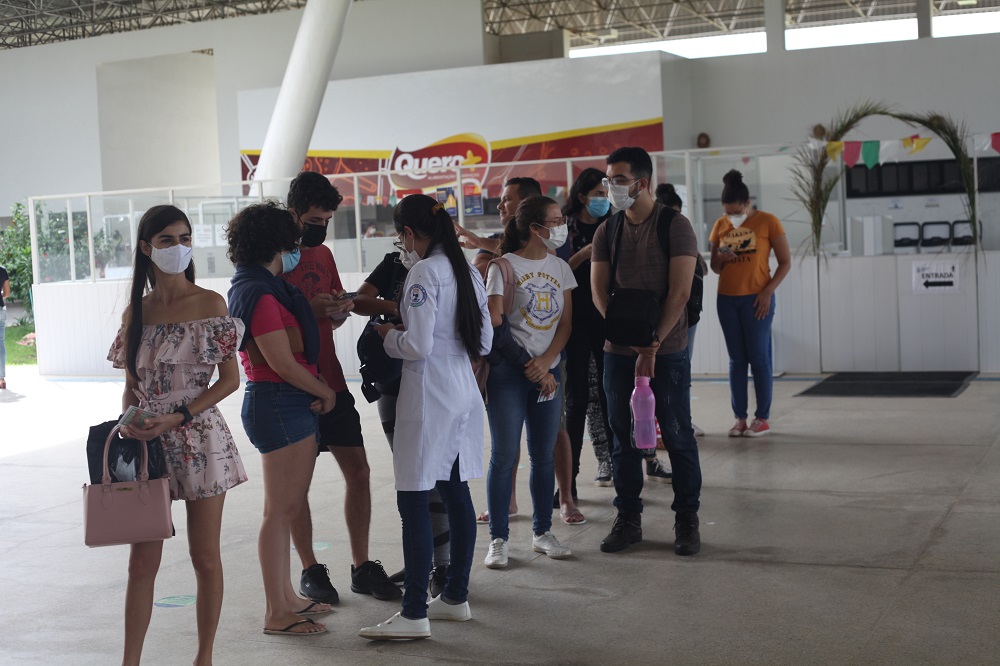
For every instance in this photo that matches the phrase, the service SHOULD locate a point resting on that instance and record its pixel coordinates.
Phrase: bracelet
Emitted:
(185, 413)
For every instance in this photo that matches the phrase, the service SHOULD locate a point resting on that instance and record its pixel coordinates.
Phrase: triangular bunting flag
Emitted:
(888, 151)
(908, 141)
(852, 152)
(834, 149)
(919, 144)
(870, 153)
(995, 141)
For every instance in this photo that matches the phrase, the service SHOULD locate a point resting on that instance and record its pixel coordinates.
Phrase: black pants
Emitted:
(586, 343)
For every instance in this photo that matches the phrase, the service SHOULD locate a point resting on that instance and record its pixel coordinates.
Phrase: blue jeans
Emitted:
(3, 343)
(748, 340)
(513, 401)
(672, 388)
(418, 542)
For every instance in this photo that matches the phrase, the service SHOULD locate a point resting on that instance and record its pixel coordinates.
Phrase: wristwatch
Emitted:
(186, 413)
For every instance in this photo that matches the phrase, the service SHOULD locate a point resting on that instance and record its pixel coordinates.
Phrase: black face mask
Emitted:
(313, 235)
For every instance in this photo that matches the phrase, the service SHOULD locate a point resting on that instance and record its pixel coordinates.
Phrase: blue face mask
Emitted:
(290, 261)
(598, 206)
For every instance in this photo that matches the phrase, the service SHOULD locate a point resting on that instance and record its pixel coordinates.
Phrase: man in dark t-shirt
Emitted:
(312, 199)
(641, 264)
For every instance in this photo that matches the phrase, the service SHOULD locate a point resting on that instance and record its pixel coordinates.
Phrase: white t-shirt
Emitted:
(539, 299)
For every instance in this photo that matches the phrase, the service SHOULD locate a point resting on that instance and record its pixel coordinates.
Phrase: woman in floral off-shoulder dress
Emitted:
(171, 341)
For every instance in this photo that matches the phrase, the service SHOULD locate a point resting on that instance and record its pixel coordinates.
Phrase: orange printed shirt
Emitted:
(751, 242)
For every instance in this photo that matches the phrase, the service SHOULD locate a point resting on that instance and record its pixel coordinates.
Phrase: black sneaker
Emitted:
(370, 578)
(626, 531)
(438, 579)
(655, 471)
(688, 539)
(315, 584)
(398, 577)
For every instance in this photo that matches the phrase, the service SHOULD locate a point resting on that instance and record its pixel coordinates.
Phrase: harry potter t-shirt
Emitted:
(539, 299)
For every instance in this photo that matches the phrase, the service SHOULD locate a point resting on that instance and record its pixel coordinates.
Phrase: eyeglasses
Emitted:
(620, 181)
(398, 244)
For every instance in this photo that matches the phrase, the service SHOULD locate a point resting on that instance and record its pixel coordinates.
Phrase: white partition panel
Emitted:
(795, 331)
(938, 331)
(989, 312)
(710, 356)
(859, 314)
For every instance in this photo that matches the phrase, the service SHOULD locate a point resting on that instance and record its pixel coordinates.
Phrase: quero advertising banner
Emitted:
(473, 118)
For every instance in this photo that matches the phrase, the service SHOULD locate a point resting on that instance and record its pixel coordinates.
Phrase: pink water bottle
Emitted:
(643, 414)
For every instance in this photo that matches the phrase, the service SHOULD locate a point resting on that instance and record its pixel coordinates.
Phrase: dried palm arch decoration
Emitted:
(812, 186)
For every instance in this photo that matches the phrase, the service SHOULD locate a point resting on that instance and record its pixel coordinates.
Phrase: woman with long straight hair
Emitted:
(438, 440)
(173, 336)
(523, 388)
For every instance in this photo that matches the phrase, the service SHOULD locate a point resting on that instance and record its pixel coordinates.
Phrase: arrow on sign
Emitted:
(928, 284)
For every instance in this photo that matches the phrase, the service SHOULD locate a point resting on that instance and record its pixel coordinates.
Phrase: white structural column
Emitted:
(295, 113)
(925, 9)
(774, 25)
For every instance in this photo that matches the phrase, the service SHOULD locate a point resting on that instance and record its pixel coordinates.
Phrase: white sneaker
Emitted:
(698, 432)
(496, 556)
(437, 609)
(398, 628)
(548, 543)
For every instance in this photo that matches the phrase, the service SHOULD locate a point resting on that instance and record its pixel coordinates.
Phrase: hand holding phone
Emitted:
(348, 296)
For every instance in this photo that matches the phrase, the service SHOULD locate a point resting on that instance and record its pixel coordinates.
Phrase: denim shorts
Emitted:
(277, 414)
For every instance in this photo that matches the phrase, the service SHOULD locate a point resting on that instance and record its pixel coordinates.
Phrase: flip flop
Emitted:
(570, 517)
(287, 631)
(308, 610)
(484, 517)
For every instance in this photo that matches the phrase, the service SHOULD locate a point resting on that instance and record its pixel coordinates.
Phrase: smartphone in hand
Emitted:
(135, 416)
(348, 296)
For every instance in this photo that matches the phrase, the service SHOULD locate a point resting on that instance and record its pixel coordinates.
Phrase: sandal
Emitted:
(308, 610)
(573, 517)
(287, 631)
(484, 517)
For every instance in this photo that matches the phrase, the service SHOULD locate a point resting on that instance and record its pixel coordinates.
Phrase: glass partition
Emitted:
(361, 233)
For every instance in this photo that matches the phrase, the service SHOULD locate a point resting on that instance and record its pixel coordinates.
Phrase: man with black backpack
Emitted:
(644, 261)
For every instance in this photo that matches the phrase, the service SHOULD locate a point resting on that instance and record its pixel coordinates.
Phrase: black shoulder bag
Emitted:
(632, 314)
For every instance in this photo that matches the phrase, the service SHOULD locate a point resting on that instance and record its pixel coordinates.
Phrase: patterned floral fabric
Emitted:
(175, 363)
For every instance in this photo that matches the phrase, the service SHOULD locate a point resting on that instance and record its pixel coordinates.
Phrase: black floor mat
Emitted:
(892, 385)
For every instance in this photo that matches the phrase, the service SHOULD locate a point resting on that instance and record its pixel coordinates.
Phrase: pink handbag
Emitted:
(137, 511)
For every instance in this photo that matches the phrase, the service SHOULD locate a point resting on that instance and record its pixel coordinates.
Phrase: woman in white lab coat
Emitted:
(438, 442)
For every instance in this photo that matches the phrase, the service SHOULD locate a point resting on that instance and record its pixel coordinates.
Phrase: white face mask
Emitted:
(557, 237)
(404, 258)
(619, 196)
(172, 260)
(737, 220)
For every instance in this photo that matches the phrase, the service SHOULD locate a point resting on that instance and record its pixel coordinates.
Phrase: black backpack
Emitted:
(694, 304)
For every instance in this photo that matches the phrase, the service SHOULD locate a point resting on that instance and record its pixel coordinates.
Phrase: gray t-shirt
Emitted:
(641, 265)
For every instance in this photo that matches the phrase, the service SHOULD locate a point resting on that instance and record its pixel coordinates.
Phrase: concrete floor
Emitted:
(861, 531)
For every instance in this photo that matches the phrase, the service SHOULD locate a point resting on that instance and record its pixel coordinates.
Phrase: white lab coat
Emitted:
(439, 413)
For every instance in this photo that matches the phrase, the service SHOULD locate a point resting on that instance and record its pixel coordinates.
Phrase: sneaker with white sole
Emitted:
(398, 628)
(496, 556)
(437, 609)
(738, 428)
(758, 428)
(698, 432)
(548, 543)
(603, 477)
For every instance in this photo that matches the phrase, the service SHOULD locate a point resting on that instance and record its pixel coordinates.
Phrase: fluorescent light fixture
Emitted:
(689, 47)
(849, 34)
(956, 25)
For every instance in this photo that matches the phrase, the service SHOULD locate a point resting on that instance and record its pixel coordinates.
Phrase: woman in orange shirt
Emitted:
(742, 241)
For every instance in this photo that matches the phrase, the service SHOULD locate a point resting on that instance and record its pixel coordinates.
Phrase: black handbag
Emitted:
(124, 456)
(632, 315)
(377, 367)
